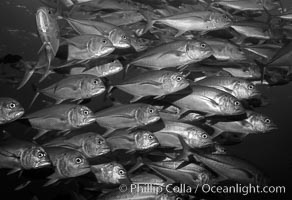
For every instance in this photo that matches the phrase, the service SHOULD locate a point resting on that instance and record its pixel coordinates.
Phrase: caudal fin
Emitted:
(149, 20)
(29, 71)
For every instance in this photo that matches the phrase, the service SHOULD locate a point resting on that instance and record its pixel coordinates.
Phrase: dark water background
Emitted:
(270, 152)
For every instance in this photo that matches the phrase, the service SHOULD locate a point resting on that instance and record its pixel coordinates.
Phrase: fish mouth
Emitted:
(89, 120)
(108, 49)
(100, 90)
(42, 164)
(124, 44)
(153, 119)
(19, 113)
(104, 150)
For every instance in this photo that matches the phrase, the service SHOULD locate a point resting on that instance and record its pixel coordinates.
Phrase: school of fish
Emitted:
(147, 93)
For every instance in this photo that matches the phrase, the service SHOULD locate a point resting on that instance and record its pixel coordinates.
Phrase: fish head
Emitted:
(198, 138)
(260, 122)
(204, 177)
(243, 89)
(119, 172)
(174, 81)
(120, 39)
(11, 109)
(93, 86)
(95, 145)
(73, 163)
(197, 50)
(221, 20)
(147, 114)
(114, 67)
(109, 172)
(139, 44)
(34, 157)
(229, 105)
(100, 46)
(145, 140)
(81, 116)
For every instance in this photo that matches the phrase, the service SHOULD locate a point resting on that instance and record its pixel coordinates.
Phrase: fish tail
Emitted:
(35, 96)
(185, 154)
(149, 20)
(47, 72)
(139, 164)
(29, 71)
(262, 67)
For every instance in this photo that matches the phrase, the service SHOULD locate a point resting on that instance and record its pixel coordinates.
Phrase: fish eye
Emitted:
(99, 141)
(151, 110)
(85, 112)
(41, 154)
(124, 37)
(150, 137)
(203, 45)
(250, 87)
(179, 78)
(95, 82)
(78, 160)
(267, 121)
(12, 105)
(237, 103)
(104, 41)
(121, 172)
(205, 136)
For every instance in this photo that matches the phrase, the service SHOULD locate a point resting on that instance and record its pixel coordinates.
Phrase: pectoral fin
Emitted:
(179, 33)
(53, 179)
(136, 98)
(39, 134)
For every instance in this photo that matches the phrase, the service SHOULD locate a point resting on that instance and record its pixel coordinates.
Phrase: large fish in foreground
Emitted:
(175, 54)
(239, 88)
(116, 35)
(235, 131)
(194, 136)
(153, 83)
(74, 87)
(202, 21)
(109, 173)
(90, 144)
(248, 5)
(210, 101)
(49, 33)
(19, 154)
(10, 110)
(127, 116)
(62, 117)
(88, 46)
(226, 166)
(68, 163)
(103, 70)
(190, 174)
(132, 141)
